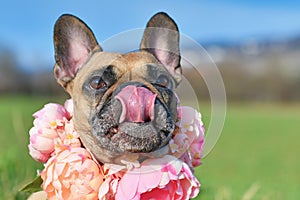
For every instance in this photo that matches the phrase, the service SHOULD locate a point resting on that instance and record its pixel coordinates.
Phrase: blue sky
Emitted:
(26, 26)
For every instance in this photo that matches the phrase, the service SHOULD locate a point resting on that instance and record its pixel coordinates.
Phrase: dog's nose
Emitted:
(137, 104)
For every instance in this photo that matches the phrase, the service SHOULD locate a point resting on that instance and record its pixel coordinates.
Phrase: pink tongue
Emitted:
(137, 104)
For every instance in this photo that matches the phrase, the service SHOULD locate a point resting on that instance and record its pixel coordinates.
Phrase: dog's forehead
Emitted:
(137, 59)
(124, 62)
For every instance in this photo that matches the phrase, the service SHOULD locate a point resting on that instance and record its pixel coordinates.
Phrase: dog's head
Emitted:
(123, 103)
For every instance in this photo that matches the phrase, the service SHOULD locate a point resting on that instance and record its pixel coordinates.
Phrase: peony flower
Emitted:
(37, 155)
(180, 143)
(72, 174)
(52, 129)
(188, 136)
(160, 178)
(67, 137)
(69, 106)
(51, 116)
(112, 176)
(41, 144)
(187, 158)
(196, 150)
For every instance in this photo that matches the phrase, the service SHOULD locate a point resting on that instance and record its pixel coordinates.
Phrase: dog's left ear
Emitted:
(161, 38)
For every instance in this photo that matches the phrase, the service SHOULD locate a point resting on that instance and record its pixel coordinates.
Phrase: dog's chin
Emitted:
(131, 137)
(137, 138)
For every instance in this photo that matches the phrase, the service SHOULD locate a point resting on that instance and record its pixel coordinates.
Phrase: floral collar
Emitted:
(71, 172)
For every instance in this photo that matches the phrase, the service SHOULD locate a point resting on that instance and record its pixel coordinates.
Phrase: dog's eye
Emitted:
(97, 83)
(163, 80)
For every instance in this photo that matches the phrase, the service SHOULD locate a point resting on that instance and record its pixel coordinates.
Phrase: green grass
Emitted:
(17, 168)
(256, 157)
(258, 151)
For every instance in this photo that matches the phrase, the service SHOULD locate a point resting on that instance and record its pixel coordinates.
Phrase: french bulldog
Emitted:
(124, 104)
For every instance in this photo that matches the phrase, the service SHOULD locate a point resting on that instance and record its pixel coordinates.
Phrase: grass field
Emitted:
(256, 157)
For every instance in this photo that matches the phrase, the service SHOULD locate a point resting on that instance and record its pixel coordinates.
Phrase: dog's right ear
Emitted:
(73, 42)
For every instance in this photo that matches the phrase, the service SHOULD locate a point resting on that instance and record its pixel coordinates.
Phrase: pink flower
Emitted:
(180, 143)
(52, 129)
(188, 136)
(69, 106)
(37, 155)
(72, 174)
(67, 136)
(160, 178)
(41, 143)
(51, 116)
(112, 176)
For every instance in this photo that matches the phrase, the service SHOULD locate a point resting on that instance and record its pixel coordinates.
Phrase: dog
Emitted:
(124, 104)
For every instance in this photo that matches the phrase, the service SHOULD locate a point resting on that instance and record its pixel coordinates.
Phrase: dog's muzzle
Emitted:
(133, 120)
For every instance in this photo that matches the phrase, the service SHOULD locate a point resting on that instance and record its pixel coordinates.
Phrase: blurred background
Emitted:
(255, 45)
